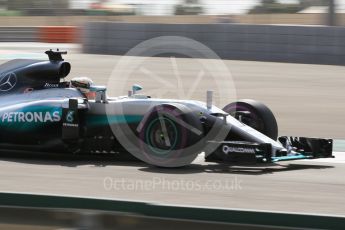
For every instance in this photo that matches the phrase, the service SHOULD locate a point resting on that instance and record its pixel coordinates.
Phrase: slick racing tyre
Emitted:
(169, 136)
(256, 115)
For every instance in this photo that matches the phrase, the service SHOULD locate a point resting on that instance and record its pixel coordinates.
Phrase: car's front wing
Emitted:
(297, 148)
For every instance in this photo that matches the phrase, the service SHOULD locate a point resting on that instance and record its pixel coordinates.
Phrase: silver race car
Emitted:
(40, 112)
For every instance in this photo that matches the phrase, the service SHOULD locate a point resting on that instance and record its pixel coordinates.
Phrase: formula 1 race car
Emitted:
(40, 112)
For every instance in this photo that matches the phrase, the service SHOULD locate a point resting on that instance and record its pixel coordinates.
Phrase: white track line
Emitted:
(34, 45)
(339, 158)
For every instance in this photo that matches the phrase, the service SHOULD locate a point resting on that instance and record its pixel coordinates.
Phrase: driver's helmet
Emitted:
(83, 84)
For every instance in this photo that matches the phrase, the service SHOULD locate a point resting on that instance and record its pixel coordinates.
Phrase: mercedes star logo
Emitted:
(7, 81)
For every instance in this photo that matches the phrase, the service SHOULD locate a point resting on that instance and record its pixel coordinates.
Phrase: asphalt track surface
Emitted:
(308, 100)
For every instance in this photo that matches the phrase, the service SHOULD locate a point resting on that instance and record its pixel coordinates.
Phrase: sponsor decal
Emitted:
(7, 81)
(70, 119)
(232, 149)
(49, 85)
(70, 116)
(70, 125)
(36, 117)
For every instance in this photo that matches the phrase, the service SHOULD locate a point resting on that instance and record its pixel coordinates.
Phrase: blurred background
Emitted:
(263, 42)
(311, 12)
(288, 54)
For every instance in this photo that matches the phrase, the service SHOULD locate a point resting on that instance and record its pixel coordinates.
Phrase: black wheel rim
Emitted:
(156, 136)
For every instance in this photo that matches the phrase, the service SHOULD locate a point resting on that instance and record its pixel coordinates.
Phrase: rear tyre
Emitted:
(258, 116)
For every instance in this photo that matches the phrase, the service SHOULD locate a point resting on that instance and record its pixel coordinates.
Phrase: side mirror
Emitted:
(136, 88)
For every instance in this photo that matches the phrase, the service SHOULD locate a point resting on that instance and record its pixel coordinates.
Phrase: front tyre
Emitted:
(256, 115)
(168, 138)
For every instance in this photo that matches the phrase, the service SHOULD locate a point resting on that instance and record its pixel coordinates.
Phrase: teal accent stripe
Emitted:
(288, 158)
(112, 119)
